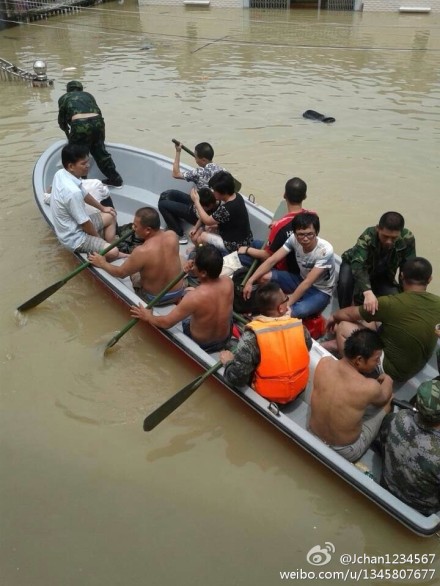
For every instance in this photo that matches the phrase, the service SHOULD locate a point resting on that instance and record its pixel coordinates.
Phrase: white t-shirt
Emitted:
(68, 209)
(321, 257)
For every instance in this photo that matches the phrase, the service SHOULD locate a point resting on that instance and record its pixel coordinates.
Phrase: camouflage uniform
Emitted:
(88, 131)
(364, 258)
(411, 467)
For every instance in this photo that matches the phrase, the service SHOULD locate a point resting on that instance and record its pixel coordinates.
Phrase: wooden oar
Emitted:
(237, 183)
(149, 305)
(162, 412)
(40, 297)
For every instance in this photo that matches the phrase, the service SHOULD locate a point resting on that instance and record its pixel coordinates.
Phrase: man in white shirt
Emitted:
(74, 227)
(311, 290)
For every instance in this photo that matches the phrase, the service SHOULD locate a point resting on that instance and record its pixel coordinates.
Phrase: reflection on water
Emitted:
(214, 495)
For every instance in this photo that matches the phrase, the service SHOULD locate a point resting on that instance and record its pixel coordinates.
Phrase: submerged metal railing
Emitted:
(29, 10)
(10, 72)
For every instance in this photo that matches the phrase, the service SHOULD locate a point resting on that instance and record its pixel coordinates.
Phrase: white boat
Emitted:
(146, 175)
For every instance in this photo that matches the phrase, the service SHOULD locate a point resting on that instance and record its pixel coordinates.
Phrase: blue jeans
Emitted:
(175, 206)
(313, 302)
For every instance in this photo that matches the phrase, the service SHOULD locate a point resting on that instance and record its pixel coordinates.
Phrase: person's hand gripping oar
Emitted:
(151, 304)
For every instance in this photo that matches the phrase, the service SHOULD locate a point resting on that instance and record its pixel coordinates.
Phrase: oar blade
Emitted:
(40, 297)
(162, 412)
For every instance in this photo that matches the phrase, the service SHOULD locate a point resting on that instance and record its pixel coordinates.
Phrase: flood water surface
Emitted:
(214, 495)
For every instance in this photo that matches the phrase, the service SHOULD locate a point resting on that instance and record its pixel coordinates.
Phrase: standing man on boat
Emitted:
(273, 353)
(206, 311)
(80, 118)
(369, 268)
(153, 264)
(346, 407)
(310, 290)
(406, 322)
(74, 227)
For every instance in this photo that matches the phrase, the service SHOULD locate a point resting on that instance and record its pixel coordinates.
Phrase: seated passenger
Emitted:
(74, 227)
(153, 264)
(175, 205)
(411, 446)
(209, 204)
(346, 408)
(295, 192)
(405, 322)
(311, 290)
(231, 217)
(206, 311)
(368, 270)
(272, 355)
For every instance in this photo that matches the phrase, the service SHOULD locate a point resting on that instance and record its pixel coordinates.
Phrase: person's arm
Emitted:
(62, 122)
(203, 216)
(96, 204)
(185, 308)
(264, 268)
(176, 163)
(259, 253)
(131, 266)
(350, 314)
(89, 228)
(311, 278)
(359, 255)
(239, 369)
(384, 391)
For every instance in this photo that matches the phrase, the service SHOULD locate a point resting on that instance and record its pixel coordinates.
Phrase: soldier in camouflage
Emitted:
(80, 118)
(369, 268)
(411, 445)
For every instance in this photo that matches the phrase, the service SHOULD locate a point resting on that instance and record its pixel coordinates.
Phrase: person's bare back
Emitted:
(340, 397)
(158, 261)
(211, 309)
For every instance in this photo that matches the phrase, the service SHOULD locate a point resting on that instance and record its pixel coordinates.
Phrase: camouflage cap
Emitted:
(428, 400)
(74, 85)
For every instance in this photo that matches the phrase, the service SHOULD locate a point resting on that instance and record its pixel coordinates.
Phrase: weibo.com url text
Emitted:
(361, 574)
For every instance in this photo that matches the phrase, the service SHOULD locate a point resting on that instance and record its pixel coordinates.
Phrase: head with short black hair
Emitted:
(304, 221)
(392, 221)
(204, 150)
(148, 218)
(209, 259)
(267, 297)
(223, 183)
(417, 271)
(207, 199)
(72, 153)
(362, 343)
(295, 190)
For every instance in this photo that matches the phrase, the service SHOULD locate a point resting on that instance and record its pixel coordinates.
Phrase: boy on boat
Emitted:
(368, 269)
(175, 205)
(346, 407)
(273, 353)
(153, 264)
(405, 322)
(309, 291)
(74, 227)
(206, 311)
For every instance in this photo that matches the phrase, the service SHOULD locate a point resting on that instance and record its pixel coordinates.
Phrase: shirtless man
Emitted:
(206, 311)
(347, 409)
(153, 264)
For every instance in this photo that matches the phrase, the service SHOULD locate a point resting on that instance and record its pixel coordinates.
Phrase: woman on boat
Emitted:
(231, 216)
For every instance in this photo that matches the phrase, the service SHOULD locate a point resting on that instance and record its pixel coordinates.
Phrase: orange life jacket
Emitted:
(283, 371)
